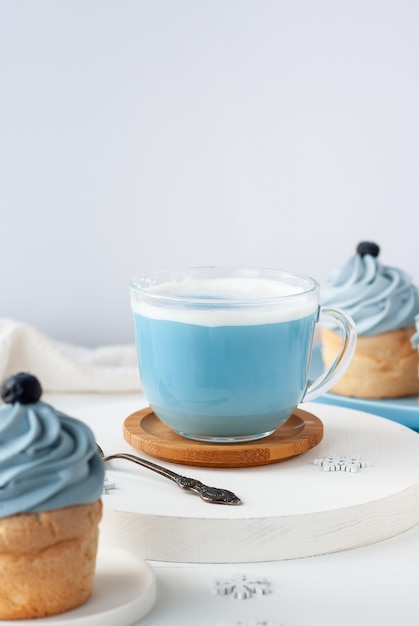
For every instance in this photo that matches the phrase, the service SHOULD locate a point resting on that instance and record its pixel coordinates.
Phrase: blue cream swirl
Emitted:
(377, 297)
(48, 460)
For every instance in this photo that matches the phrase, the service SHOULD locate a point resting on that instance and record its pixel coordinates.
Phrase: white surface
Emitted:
(124, 591)
(148, 135)
(290, 509)
(375, 584)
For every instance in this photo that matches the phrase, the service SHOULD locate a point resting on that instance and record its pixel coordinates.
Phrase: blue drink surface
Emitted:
(224, 381)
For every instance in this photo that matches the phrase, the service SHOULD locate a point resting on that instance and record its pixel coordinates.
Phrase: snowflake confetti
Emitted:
(107, 485)
(241, 588)
(341, 463)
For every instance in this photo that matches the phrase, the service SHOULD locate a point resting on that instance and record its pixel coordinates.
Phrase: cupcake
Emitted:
(415, 338)
(383, 303)
(51, 481)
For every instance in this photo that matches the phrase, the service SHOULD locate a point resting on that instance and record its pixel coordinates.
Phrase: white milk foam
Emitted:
(225, 302)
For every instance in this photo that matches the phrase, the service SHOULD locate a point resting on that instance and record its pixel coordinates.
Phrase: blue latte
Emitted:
(220, 381)
(224, 352)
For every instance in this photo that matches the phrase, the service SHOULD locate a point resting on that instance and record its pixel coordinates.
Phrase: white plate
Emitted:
(123, 593)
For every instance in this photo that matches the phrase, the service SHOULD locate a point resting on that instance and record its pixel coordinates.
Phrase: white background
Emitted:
(140, 135)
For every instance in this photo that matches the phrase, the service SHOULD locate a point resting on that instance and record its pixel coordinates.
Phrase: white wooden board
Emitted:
(291, 509)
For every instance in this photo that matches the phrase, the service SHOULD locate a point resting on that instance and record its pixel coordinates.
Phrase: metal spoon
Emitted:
(209, 494)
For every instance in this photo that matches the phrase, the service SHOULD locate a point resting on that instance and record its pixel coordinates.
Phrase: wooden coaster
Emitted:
(146, 432)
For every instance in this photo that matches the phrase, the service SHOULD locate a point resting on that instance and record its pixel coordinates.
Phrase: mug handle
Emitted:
(325, 381)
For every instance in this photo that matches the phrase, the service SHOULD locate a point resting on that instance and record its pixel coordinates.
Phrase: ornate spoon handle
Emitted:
(209, 494)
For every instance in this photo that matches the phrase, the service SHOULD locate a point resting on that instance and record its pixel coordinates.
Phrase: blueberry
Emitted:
(24, 388)
(368, 247)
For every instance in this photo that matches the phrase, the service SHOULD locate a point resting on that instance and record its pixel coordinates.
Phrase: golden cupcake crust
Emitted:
(47, 560)
(383, 366)
(33, 532)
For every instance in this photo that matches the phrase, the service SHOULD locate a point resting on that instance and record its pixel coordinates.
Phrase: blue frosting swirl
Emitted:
(377, 297)
(48, 460)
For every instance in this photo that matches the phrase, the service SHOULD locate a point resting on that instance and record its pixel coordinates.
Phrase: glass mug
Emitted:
(224, 353)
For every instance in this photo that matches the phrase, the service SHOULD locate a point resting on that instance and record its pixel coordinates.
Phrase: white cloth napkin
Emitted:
(62, 367)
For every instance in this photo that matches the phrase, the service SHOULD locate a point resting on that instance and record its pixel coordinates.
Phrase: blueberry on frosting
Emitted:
(368, 247)
(22, 387)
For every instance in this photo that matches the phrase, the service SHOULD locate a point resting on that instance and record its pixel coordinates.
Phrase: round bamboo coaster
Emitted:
(144, 431)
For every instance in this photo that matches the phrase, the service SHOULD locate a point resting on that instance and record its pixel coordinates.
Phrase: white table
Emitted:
(372, 585)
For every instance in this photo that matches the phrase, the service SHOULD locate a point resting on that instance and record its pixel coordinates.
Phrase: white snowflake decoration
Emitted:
(341, 463)
(241, 588)
(107, 485)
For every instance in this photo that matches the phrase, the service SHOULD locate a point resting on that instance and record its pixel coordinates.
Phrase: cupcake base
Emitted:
(47, 560)
(383, 366)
